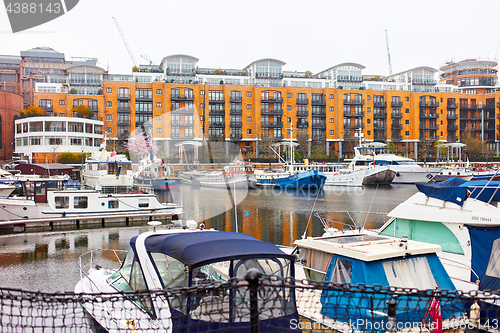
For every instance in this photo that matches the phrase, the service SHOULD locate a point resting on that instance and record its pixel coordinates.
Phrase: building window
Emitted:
(331, 120)
(368, 97)
(108, 90)
(249, 106)
(288, 95)
(109, 104)
(249, 119)
(158, 91)
(289, 108)
(158, 131)
(109, 117)
(331, 96)
(158, 105)
(249, 94)
(407, 111)
(368, 133)
(202, 92)
(331, 109)
(407, 122)
(368, 109)
(407, 99)
(331, 132)
(123, 93)
(158, 118)
(368, 121)
(62, 102)
(407, 133)
(249, 131)
(289, 120)
(108, 130)
(46, 104)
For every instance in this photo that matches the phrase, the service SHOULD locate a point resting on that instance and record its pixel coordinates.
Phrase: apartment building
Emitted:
(177, 101)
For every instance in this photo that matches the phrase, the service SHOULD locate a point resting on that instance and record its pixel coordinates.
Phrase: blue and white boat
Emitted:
(361, 257)
(291, 178)
(190, 258)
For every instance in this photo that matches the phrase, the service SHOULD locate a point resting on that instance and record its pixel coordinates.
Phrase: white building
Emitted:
(57, 135)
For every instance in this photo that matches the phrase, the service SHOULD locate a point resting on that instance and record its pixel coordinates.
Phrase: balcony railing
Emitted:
(235, 123)
(235, 136)
(305, 113)
(397, 103)
(451, 105)
(430, 104)
(123, 122)
(428, 115)
(397, 126)
(452, 116)
(216, 101)
(355, 126)
(354, 114)
(270, 99)
(236, 111)
(380, 104)
(380, 115)
(272, 112)
(318, 101)
(452, 127)
(272, 124)
(354, 101)
(396, 115)
(180, 97)
(302, 124)
(217, 124)
(302, 101)
(235, 99)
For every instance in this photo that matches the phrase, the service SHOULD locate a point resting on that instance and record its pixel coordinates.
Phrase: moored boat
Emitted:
(291, 178)
(235, 175)
(155, 174)
(189, 259)
(107, 172)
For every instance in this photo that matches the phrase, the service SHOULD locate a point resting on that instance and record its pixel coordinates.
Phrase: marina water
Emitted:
(48, 261)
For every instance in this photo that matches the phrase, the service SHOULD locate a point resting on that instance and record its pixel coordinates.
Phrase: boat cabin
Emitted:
(171, 259)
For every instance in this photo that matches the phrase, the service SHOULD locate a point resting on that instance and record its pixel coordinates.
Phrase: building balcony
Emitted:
(380, 115)
(272, 100)
(452, 127)
(305, 113)
(216, 101)
(123, 136)
(379, 126)
(235, 123)
(216, 136)
(430, 104)
(319, 137)
(354, 102)
(428, 127)
(468, 106)
(380, 136)
(272, 124)
(428, 115)
(272, 112)
(346, 78)
(143, 99)
(217, 112)
(236, 111)
(318, 101)
(380, 104)
(319, 114)
(397, 103)
(184, 111)
(185, 124)
(424, 82)
(318, 125)
(451, 106)
(354, 114)
(397, 126)
(218, 124)
(269, 76)
(355, 126)
(179, 73)
(179, 97)
(123, 122)
(177, 136)
(302, 124)
(302, 101)
(235, 136)
(235, 99)
(396, 115)
(452, 116)
(124, 98)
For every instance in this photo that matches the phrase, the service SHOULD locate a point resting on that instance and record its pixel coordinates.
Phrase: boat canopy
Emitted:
(485, 243)
(201, 248)
(456, 190)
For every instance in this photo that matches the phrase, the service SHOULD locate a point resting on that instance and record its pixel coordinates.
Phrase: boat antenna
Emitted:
(310, 216)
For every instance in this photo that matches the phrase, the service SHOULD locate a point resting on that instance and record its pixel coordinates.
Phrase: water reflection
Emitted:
(48, 261)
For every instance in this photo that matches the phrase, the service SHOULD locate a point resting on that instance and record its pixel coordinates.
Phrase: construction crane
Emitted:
(388, 52)
(125, 41)
(146, 57)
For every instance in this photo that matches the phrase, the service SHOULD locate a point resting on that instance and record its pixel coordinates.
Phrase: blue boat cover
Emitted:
(485, 253)
(203, 247)
(344, 306)
(456, 190)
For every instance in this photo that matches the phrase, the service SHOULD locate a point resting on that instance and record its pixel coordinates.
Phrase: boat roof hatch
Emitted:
(200, 248)
(367, 247)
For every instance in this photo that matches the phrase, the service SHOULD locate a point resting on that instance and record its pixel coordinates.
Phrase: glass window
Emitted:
(172, 271)
(342, 271)
(410, 273)
(81, 202)
(249, 119)
(61, 202)
(249, 94)
(158, 105)
(62, 102)
(113, 204)
(108, 90)
(144, 202)
(158, 91)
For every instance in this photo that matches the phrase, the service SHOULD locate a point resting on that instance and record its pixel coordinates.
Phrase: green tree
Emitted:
(475, 147)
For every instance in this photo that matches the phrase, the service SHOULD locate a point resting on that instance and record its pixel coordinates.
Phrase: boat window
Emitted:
(173, 273)
(425, 231)
(410, 273)
(279, 267)
(144, 202)
(342, 271)
(113, 204)
(81, 202)
(493, 268)
(61, 202)
(315, 263)
(210, 274)
(127, 264)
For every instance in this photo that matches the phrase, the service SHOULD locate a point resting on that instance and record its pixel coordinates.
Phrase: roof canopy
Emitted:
(200, 248)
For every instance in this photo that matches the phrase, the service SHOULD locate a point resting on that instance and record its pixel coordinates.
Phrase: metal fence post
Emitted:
(253, 278)
(391, 313)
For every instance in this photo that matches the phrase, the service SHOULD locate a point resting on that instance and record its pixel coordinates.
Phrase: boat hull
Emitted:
(414, 175)
(160, 184)
(312, 179)
(378, 176)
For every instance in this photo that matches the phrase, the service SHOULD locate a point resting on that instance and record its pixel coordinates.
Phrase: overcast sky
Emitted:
(307, 35)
